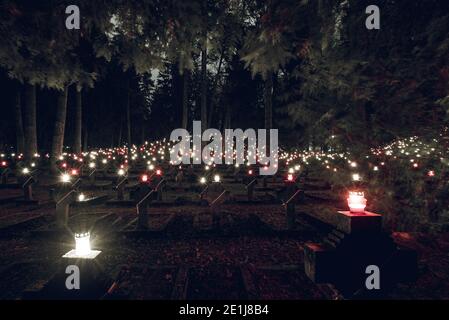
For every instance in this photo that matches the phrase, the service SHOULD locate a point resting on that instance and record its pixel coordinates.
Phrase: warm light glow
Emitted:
(121, 172)
(4, 164)
(25, 170)
(82, 241)
(356, 201)
(290, 177)
(158, 172)
(65, 178)
(216, 178)
(431, 173)
(203, 180)
(356, 177)
(74, 172)
(250, 172)
(144, 178)
(81, 197)
(92, 165)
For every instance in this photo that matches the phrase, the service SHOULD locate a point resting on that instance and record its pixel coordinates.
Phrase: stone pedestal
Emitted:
(356, 242)
(93, 282)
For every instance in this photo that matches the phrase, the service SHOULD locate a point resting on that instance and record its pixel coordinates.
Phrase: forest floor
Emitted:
(243, 253)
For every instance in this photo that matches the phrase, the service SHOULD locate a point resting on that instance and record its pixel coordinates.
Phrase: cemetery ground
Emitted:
(240, 250)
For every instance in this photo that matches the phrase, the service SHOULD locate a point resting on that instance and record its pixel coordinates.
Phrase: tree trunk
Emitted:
(58, 135)
(128, 117)
(120, 133)
(78, 122)
(204, 123)
(213, 100)
(142, 133)
(20, 138)
(268, 98)
(185, 99)
(30, 128)
(85, 144)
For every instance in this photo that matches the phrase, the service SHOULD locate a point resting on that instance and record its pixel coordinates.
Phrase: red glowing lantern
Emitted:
(4, 164)
(290, 178)
(250, 172)
(74, 172)
(144, 178)
(158, 172)
(64, 165)
(431, 173)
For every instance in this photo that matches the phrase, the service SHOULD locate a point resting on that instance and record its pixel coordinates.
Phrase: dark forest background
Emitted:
(309, 68)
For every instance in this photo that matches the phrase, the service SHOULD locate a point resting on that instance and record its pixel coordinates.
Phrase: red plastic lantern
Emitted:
(158, 172)
(4, 164)
(144, 178)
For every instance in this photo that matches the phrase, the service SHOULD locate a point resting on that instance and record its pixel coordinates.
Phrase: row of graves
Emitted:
(143, 183)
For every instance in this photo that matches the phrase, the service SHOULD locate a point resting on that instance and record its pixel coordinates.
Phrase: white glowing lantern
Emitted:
(291, 170)
(356, 201)
(356, 177)
(81, 197)
(92, 165)
(104, 161)
(25, 170)
(216, 178)
(203, 180)
(82, 241)
(151, 167)
(65, 178)
(121, 172)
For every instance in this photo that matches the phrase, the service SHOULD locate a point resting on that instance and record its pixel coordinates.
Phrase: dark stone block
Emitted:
(351, 223)
(318, 262)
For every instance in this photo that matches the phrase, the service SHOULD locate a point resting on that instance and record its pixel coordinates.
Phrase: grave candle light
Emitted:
(25, 171)
(290, 177)
(81, 197)
(203, 180)
(4, 164)
(82, 241)
(65, 178)
(144, 178)
(356, 201)
(217, 178)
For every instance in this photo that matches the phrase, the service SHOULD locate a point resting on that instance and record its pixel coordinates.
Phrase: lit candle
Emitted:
(82, 241)
(65, 178)
(356, 201)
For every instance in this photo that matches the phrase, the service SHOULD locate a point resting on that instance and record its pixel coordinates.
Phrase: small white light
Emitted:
(203, 180)
(356, 177)
(25, 170)
(81, 197)
(82, 242)
(65, 177)
(121, 172)
(216, 178)
(92, 165)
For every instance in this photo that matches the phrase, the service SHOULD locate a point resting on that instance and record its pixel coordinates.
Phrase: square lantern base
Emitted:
(354, 222)
(73, 255)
